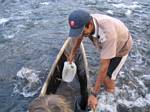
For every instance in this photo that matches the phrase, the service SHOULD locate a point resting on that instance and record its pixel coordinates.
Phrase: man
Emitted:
(110, 36)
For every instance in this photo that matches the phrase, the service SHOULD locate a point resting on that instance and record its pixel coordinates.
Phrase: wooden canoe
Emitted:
(54, 84)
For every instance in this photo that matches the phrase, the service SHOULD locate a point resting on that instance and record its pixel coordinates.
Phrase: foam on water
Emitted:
(108, 102)
(28, 83)
(28, 74)
(146, 77)
(110, 12)
(133, 6)
(9, 36)
(128, 12)
(45, 3)
(139, 102)
(3, 20)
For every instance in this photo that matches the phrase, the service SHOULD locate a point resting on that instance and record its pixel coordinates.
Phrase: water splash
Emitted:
(139, 102)
(106, 103)
(28, 83)
(109, 102)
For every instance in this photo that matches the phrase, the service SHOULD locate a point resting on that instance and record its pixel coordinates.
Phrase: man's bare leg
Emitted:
(109, 84)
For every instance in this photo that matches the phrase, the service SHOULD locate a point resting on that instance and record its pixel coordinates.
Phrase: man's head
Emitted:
(81, 23)
(49, 103)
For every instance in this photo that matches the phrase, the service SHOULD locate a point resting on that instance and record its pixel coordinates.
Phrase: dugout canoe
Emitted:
(54, 84)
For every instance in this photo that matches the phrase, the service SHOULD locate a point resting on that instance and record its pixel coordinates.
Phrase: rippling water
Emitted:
(32, 32)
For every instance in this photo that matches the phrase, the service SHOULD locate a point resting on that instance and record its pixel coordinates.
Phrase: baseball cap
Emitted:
(77, 21)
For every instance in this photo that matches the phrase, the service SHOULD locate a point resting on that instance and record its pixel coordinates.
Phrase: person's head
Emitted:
(49, 103)
(81, 23)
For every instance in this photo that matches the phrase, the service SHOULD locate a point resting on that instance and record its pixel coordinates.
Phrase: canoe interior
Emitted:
(56, 86)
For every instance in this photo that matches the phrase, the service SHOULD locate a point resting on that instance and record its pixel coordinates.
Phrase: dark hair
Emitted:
(49, 103)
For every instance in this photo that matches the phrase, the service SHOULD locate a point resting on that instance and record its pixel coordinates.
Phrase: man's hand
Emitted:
(70, 58)
(92, 102)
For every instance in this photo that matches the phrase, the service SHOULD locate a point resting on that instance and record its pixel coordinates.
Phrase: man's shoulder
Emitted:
(103, 17)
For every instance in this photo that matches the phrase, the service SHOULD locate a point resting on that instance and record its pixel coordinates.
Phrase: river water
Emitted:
(32, 32)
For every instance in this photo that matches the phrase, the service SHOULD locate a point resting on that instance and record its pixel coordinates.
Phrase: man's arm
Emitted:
(76, 44)
(92, 100)
(102, 74)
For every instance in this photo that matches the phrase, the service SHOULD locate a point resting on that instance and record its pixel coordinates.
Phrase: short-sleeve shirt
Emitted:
(111, 36)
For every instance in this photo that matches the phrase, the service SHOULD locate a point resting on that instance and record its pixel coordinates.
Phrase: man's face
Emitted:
(87, 31)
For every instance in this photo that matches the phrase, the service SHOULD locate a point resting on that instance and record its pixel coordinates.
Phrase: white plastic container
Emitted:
(69, 71)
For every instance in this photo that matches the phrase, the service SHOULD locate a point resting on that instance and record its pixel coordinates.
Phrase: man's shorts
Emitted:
(115, 65)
